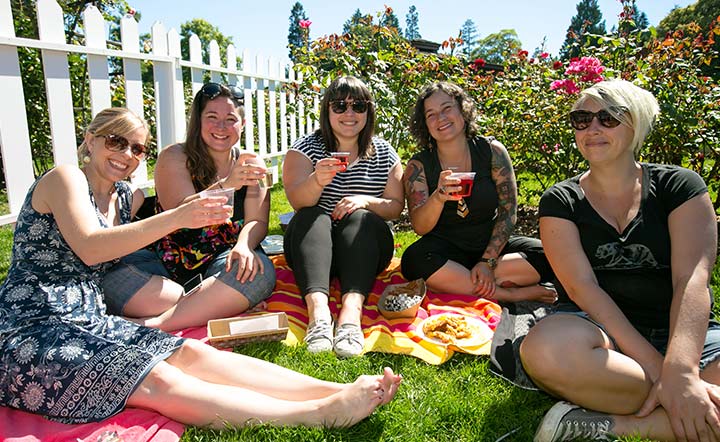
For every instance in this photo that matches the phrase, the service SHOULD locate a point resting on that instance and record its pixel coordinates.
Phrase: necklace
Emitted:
(460, 166)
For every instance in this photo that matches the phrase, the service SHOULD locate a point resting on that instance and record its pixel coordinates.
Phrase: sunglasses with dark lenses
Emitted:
(582, 119)
(116, 143)
(341, 106)
(212, 90)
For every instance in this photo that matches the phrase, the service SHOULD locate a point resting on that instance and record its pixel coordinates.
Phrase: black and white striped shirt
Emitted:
(365, 176)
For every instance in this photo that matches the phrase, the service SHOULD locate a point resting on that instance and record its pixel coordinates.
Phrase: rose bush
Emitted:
(526, 104)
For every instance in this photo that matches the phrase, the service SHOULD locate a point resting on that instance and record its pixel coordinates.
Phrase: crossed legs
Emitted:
(573, 359)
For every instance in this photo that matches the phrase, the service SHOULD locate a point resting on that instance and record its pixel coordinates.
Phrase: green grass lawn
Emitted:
(457, 401)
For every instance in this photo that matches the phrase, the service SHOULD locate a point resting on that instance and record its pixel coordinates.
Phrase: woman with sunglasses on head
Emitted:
(236, 274)
(466, 246)
(633, 246)
(64, 358)
(339, 229)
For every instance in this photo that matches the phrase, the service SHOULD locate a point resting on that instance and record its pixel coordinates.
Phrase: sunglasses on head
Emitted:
(341, 106)
(212, 90)
(582, 119)
(117, 143)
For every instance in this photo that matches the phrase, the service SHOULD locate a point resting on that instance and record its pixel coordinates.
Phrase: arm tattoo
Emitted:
(416, 190)
(504, 177)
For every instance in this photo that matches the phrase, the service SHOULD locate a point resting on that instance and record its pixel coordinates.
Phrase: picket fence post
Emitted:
(270, 91)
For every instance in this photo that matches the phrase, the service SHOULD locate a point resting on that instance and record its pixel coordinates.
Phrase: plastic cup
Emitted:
(466, 183)
(343, 157)
(228, 192)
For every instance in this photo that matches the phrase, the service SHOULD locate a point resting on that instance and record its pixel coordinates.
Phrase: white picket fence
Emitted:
(270, 126)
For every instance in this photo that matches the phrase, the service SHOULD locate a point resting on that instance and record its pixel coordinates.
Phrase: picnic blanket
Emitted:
(400, 336)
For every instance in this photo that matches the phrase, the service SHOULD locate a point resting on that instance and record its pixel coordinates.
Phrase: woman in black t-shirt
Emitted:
(633, 246)
(466, 245)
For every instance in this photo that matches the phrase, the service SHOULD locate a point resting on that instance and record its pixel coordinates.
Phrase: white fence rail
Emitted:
(270, 126)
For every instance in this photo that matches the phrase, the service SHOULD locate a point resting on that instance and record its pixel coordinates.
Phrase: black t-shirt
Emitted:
(633, 267)
(471, 233)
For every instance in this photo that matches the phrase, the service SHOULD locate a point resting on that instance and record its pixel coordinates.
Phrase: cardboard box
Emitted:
(231, 332)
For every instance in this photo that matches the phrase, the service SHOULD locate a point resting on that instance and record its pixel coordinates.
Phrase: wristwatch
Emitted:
(491, 262)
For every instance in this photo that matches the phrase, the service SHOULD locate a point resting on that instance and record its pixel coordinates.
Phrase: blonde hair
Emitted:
(113, 121)
(632, 105)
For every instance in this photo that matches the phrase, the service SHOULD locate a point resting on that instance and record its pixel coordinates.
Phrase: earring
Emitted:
(86, 159)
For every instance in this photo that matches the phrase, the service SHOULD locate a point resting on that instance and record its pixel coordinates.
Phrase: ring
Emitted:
(442, 190)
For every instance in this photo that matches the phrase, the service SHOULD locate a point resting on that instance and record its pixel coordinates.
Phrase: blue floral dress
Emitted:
(61, 356)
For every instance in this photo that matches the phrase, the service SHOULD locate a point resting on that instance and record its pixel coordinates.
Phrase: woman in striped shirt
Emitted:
(339, 229)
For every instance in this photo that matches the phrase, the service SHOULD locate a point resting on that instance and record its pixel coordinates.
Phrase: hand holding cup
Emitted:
(247, 171)
(203, 211)
(342, 158)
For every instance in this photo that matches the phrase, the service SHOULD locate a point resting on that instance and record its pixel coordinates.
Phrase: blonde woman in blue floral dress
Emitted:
(63, 357)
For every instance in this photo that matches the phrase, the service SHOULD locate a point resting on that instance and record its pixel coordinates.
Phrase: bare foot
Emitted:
(530, 293)
(390, 383)
(354, 403)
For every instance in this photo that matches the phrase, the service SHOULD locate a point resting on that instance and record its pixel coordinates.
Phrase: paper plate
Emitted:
(272, 244)
(480, 332)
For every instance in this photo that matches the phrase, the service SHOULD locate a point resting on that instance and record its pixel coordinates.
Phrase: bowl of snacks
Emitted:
(402, 300)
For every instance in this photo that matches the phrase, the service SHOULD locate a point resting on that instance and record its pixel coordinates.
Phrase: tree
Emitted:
(26, 26)
(205, 32)
(412, 30)
(703, 12)
(389, 20)
(296, 34)
(497, 47)
(632, 19)
(355, 20)
(468, 32)
(588, 20)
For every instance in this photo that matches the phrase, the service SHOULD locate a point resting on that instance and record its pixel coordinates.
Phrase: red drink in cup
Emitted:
(343, 157)
(466, 183)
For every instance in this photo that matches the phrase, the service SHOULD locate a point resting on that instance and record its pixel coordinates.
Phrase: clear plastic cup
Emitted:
(228, 192)
(466, 183)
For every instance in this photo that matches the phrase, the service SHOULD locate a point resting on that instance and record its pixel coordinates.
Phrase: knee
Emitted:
(189, 353)
(544, 356)
(310, 215)
(157, 384)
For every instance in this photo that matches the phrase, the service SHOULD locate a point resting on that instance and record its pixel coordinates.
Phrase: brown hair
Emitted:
(340, 89)
(199, 163)
(418, 126)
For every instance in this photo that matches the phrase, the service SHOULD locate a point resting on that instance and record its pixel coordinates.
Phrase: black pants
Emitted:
(426, 255)
(355, 249)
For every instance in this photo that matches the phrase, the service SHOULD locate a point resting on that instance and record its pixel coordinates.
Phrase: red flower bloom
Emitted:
(544, 55)
(557, 64)
(305, 24)
(478, 63)
(523, 53)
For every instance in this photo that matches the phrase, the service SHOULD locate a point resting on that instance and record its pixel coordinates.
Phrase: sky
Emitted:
(261, 27)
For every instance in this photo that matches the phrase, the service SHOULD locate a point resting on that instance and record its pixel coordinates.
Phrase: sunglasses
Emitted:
(582, 119)
(212, 90)
(341, 106)
(116, 143)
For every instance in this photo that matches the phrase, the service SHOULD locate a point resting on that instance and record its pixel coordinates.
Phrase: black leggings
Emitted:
(355, 249)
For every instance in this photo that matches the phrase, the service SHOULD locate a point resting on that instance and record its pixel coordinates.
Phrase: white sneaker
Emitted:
(349, 340)
(319, 336)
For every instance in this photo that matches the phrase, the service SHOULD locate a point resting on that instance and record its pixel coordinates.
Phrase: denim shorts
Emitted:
(135, 270)
(658, 337)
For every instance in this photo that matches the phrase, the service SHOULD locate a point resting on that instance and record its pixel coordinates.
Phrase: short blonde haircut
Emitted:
(632, 105)
(113, 121)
